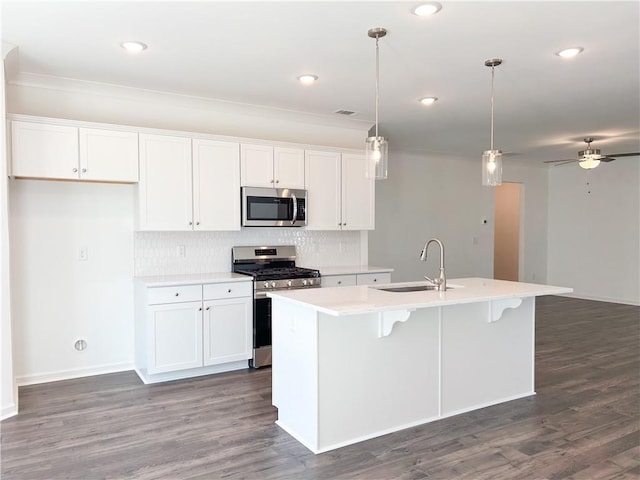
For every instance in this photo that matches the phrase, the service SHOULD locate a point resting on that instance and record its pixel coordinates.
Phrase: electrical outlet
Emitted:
(475, 240)
(83, 254)
(181, 251)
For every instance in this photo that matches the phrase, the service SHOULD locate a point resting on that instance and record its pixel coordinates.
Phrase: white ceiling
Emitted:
(252, 52)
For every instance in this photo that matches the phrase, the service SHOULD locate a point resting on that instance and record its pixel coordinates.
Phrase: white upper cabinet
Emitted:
(165, 188)
(322, 178)
(108, 155)
(288, 167)
(339, 196)
(358, 194)
(41, 150)
(256, 165)
(266, 166)
(178, 192)
(216, 185)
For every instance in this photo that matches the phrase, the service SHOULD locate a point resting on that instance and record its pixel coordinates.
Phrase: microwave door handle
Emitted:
(295, 209)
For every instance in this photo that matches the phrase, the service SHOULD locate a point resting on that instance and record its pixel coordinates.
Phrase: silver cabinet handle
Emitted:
(84, 170)
(190, 223)
(177, 294)
(197, 223)
(75, 170)
(277, 181)
(229, 291)
(272, 181)
(207, 308)
(375, 279)
(200, 309)
(340, 282)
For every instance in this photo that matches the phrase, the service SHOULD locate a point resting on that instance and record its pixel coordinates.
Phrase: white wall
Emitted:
(437, 196)
(594, 238)
(8, 389)
(58, 299)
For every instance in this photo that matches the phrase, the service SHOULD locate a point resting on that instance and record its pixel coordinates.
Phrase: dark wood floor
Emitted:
(584, 423)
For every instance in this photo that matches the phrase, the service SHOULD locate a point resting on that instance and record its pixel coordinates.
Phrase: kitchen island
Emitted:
(353, 363)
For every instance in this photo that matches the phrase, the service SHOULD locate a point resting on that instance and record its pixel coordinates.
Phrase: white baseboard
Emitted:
(8, 411)
(73, 373)
(603, 299)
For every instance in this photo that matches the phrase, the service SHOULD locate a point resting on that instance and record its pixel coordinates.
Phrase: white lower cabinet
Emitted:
(350, 280)
(227, 330)
(190, 330)
(339, 280)
(373, 278)
(175, 337)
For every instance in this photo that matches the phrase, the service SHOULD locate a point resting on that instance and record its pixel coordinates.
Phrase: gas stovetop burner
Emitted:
(273, 268)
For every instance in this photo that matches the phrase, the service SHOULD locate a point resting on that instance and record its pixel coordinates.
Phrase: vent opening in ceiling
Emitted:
(347, 113)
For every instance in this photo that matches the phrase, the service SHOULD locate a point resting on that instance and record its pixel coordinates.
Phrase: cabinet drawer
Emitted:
(373, 278)
(213, 291)
(339, 281)
(177, 294)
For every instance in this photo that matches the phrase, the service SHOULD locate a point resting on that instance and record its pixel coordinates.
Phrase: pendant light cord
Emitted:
(377, 82)
(492, 80)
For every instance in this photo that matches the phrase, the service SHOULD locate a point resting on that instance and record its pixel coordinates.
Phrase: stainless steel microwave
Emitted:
(273, 207)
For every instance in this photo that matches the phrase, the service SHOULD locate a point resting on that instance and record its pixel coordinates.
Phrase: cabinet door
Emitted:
(288, 167)
(256, 165)
(165, 190)
(44, 151)
(216, 185)
(322, 179)
(175, 337)
(108, 155)
(228, 330)
(358, 194)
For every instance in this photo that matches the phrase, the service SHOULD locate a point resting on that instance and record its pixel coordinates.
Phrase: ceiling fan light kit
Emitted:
(377, 147)
(492, 158)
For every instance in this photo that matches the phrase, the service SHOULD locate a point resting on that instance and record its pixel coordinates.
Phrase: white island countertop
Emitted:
(354, 300)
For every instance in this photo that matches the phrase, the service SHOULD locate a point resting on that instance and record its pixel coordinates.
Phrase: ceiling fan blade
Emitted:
(566, 160)
(633, 154)
(606, 159)
(557, 163)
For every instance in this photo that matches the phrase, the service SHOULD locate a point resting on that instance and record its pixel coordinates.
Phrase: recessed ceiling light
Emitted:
(133, 47)
(426, 9)
(307, 79)
(428, 100)
(569, 52)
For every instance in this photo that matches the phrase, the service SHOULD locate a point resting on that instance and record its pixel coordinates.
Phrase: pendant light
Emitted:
(492, 159)
(377, 146)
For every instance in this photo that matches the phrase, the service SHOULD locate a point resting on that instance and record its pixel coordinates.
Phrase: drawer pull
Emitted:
(208, 308)
(229, 291)
(340, 282)
(177, 294)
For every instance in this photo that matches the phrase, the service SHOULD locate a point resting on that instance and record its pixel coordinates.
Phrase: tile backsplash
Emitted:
(172, 253)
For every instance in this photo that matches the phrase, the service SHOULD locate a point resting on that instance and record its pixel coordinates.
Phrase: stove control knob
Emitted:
(289, 283)
(266, 284)
(304, 282)
(273, 284)
(311, 281)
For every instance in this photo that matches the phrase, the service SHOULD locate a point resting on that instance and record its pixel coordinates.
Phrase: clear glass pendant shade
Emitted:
(377, 157)
(491, 168)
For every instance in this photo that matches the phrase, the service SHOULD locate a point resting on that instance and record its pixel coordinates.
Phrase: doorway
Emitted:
(507, 231)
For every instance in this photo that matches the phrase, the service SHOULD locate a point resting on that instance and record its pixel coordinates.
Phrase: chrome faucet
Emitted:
(440, 282)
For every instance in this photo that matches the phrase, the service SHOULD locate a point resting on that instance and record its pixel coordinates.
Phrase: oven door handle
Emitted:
(295, 209)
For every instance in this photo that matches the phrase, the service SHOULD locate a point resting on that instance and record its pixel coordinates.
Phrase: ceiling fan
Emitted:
(591, 157)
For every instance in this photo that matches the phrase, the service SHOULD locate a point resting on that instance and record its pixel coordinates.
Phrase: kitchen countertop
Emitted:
(191, 279)
(353, 270)
(340, 301)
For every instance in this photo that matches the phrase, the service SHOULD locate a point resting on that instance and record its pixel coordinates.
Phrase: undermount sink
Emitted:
(412, 288)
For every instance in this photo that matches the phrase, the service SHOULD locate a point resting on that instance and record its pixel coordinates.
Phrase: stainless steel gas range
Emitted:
(272, 268)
